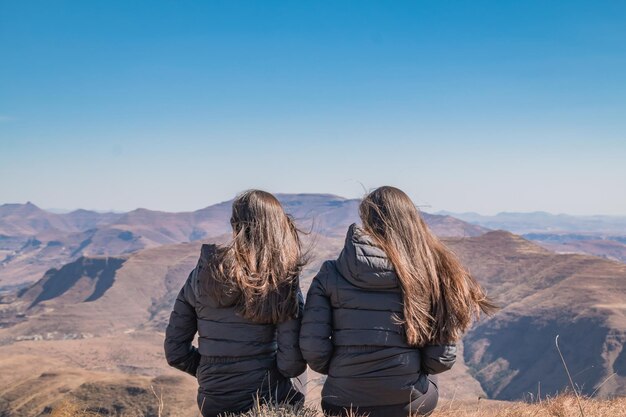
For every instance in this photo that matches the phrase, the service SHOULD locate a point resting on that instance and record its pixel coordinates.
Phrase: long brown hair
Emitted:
(441, 298)
(258, 271)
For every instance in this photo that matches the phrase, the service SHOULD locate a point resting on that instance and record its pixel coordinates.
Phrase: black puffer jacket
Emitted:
(235, 358)
(349, 332)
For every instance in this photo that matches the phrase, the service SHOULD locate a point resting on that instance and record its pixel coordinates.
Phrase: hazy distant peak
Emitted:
(290, 196)
(81, 211)
(19, 207)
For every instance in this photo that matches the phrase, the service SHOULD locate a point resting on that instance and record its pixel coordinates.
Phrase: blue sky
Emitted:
(174, 105)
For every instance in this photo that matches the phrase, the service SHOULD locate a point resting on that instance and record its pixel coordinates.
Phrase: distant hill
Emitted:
(610, 247)
(603, 236)
(539, 221)
(33, 240)
(29, 220)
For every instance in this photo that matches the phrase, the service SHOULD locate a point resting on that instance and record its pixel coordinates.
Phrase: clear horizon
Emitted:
(467, 106)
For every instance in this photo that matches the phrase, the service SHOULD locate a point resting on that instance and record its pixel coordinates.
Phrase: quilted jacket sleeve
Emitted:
(289, 357)
(182, 327)
(316, 334)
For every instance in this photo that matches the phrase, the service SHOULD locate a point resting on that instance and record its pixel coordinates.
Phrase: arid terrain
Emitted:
(603, 236)
(86, 297)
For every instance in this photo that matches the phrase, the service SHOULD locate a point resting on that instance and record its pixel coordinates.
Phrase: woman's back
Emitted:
(385, 315)
(351, 331)
(244, 302)
(236, 358)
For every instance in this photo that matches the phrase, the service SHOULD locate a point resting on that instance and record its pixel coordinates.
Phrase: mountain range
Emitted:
(95, 309)
(33, 240)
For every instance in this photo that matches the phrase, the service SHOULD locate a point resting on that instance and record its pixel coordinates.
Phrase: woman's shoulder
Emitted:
(328, 273)
(210, 254)
(208, 251)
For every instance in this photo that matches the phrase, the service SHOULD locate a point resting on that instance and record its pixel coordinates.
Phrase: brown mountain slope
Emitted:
(68, 301)
(53, 249)
(448, 226)
(543, 294)
(108, 375)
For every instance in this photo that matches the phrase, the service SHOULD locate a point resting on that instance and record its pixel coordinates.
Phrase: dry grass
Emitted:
(561, 406)
(70, 409)
(278, 411)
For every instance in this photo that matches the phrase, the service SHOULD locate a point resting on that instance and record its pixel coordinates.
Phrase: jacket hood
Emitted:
(207, 270)
(364, 264)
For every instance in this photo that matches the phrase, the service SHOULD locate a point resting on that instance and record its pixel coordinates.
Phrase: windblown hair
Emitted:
(441, 298)
(258, 271)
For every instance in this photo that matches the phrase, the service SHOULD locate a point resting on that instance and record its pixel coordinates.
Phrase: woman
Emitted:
(382, 320)
(244, 302)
